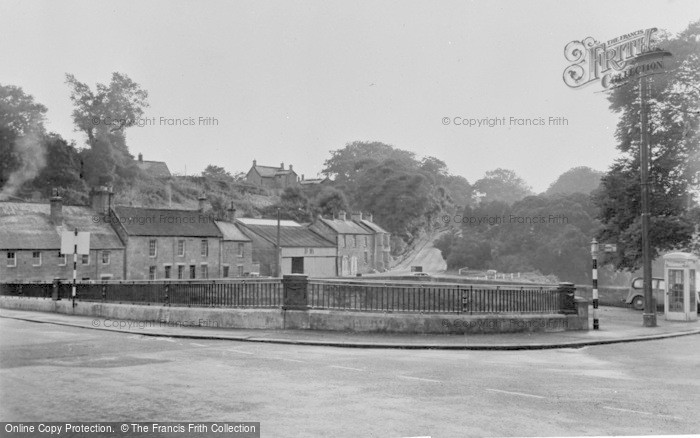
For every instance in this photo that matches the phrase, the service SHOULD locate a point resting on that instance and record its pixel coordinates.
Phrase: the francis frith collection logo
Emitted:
(613, 62)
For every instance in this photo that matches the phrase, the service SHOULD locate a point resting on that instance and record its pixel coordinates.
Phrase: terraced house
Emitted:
(30, 243)
(363, 246)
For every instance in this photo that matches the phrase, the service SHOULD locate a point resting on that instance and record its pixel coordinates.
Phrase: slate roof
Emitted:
(231, 232)
(372, 226)
(271, 172)
(345, 227)
(157, 169)
(139, 221)
(293, 235)
(314, 181)
(25, 226)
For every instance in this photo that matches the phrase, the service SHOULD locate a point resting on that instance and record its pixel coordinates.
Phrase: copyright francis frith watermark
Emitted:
(511, 219)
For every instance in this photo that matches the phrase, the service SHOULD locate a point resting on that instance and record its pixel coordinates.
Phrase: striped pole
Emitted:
(75, 264)
(594, 255)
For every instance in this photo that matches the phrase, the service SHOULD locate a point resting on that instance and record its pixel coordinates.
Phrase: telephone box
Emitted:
(680, 271)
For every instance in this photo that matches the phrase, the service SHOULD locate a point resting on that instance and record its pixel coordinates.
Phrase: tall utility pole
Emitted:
(649, 306)
(278, 248)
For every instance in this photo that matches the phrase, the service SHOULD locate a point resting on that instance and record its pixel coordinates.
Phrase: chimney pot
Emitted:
(102, 200)
(201, 201)
(231, 213)
(290, 167)
(56, 209)
(282, 166)
(356, 216)
(341, 215)
(140, 156)
(255, 163)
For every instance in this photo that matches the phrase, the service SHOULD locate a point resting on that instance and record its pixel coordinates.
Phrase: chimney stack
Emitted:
(102, 200)
(140, 157)
(231, 213)
(282, 166)
(356, 216)
(291, 167)
(302, 177)
(369, 217)
(201, 200)
(341, 215)
(56, 208)
(255, 162)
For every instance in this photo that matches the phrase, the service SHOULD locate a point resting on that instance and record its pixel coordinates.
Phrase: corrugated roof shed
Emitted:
(290, 236)
(231, 232)
(138, 221)
(28, 226)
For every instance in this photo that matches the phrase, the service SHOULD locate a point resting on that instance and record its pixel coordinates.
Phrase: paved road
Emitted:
(426, 255)
(56, 373)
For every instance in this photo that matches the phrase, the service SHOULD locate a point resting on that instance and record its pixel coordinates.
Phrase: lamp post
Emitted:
(649, 317)
(594, 276)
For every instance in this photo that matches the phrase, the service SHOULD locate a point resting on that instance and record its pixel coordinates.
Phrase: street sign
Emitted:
(610, 247)
(69, 240)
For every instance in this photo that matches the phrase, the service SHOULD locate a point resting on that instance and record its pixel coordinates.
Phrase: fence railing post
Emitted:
(295, 292)
(567, 302)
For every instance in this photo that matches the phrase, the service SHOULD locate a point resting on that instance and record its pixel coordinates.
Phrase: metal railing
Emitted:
(234, 293)
(432, 298)
(348, 295)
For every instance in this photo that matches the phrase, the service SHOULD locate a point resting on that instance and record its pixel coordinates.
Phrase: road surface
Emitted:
(56, 373)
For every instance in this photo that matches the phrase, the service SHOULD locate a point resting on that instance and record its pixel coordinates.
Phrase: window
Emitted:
(225, 271)
(366, 257)
(151, 272)
(180, 248)
(180, 272)
(205, 271)
(354, 241)
(240, 270)
(341, 240)
(11, 259)
(36, 258)
(105, 257)
(85, 259)
(105, 277)
(240, 249)
(205, 248)
(365, 241)
(152, 248)
(193, 271)
(61, 259)
(167, 271)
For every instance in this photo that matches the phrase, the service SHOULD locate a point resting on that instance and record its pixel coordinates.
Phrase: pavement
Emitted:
(616, 325)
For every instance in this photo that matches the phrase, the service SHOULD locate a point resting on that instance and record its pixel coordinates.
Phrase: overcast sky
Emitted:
(288, 81)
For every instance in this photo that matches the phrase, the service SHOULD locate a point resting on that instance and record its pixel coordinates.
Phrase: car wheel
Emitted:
(638, 303)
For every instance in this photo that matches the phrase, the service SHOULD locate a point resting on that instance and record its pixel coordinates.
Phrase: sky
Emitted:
(290, 81)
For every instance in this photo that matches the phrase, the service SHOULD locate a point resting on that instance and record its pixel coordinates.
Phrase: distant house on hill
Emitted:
(157, 169)
(272, 177)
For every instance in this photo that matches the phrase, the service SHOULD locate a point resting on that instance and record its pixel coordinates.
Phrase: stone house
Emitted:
(274, 178)
(381, 246)
(236, 251)
(30, 243)
(167, 243)
(355, 242)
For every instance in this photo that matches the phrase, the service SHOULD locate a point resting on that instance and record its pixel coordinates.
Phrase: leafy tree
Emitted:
(212, 171)
(502, 185)
(674, 119)
(103, 115)
(329, 202)
(293, 205)
(20, 117)
(577, 180)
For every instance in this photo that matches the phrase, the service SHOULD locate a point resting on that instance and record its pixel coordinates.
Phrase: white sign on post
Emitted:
(69, 241)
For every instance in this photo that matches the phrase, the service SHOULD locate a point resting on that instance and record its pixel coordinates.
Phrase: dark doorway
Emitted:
(297, 265)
